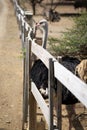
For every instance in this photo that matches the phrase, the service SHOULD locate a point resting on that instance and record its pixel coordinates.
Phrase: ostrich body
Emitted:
(80, 4)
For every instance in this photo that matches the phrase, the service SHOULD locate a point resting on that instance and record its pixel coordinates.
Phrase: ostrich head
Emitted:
(43, 24)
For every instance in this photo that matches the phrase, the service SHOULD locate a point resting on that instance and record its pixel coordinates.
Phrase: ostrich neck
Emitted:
(44, 40)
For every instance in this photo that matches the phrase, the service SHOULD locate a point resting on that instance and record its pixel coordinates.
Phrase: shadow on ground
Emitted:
(3, 129)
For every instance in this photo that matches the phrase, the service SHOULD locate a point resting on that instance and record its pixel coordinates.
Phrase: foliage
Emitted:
(23, 53)
(74, 40)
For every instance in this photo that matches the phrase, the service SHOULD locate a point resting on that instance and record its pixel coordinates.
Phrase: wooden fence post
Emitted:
(23, 34)
(51, 82)
(50, 87)
(59, 103)
(32, 101)
(25, 86)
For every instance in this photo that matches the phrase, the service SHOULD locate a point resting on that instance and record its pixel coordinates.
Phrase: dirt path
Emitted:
(10, 69)
(3, 15)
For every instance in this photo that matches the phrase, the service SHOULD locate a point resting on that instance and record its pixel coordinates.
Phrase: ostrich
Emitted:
(43, 24)
(39, 72)
(80, 4)
(81, 70)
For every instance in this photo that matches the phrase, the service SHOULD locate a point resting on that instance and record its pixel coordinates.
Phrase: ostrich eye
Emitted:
(41, 22)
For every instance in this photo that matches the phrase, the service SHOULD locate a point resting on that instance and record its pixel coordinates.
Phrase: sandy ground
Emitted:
(11, 65)
(10, 70)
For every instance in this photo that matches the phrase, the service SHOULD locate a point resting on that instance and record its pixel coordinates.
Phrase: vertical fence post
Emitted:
(59, 103)
(25, 53)
(26, 45)
(25, 48)
(23, 35)
(50, 87)
(32, 101)
(26, 85)
(29, 108)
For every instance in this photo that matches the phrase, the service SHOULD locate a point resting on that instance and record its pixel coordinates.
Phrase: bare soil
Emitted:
(10, 69)
(11, 73)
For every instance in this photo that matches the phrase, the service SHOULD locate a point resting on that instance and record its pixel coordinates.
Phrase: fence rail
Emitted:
(64, 76)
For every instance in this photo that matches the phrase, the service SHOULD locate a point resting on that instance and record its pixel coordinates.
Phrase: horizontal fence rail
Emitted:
(67, 78)
(42, 104)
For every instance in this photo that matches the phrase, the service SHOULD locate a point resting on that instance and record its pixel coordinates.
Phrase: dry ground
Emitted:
(11, 71)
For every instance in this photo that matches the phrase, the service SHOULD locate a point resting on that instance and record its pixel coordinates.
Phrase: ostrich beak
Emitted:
(37, 25)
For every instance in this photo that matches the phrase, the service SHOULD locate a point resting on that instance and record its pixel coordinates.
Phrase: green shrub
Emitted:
(74, 40)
